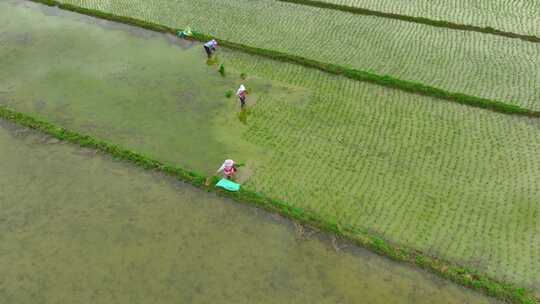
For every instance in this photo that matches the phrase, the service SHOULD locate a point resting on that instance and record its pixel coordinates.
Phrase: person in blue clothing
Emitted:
(210, 47)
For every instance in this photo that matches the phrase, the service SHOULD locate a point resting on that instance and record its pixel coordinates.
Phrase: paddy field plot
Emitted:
(448, 179)
(453, 181)
(518, 16)
(79, 227)
(467, 62)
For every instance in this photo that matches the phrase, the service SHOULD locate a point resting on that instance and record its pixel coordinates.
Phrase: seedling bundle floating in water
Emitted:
(222, 70)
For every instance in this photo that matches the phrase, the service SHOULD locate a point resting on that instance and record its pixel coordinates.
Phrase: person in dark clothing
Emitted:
(210, 47)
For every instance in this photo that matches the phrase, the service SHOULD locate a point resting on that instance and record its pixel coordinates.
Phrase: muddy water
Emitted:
(125, 85)
(76, 227)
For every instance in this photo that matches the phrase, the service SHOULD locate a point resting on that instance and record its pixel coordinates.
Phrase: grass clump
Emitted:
(229, 94)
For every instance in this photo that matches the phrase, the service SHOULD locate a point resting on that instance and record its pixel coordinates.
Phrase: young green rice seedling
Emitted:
(222, 70)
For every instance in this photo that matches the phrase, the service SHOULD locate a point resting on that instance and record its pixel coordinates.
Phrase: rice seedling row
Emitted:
(414, 19)
(518, 16)
(472, 63)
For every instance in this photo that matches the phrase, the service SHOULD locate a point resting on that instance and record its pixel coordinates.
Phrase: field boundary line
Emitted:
(413, 19)
(359, 75)
(461, 275)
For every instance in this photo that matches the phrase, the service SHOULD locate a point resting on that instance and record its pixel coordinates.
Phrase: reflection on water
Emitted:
(77, 227)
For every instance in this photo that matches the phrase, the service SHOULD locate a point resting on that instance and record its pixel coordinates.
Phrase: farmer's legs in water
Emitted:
(230, 174)
(208, 51)
(242, 101)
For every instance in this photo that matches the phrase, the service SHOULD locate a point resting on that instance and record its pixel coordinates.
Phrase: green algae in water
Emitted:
(82, 228)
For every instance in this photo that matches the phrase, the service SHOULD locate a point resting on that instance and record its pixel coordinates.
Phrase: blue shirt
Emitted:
(211, 44)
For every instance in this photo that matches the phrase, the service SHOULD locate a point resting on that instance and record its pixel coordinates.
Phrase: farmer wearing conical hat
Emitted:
(242, 94)
(210, 47)
(228, 168)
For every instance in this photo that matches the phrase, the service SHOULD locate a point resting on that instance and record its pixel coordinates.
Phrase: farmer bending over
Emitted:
(242, 94)
(228, 168)
(210, 47)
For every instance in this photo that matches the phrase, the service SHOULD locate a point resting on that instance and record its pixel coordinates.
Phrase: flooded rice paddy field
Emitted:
(411, 169)
(79, 227)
